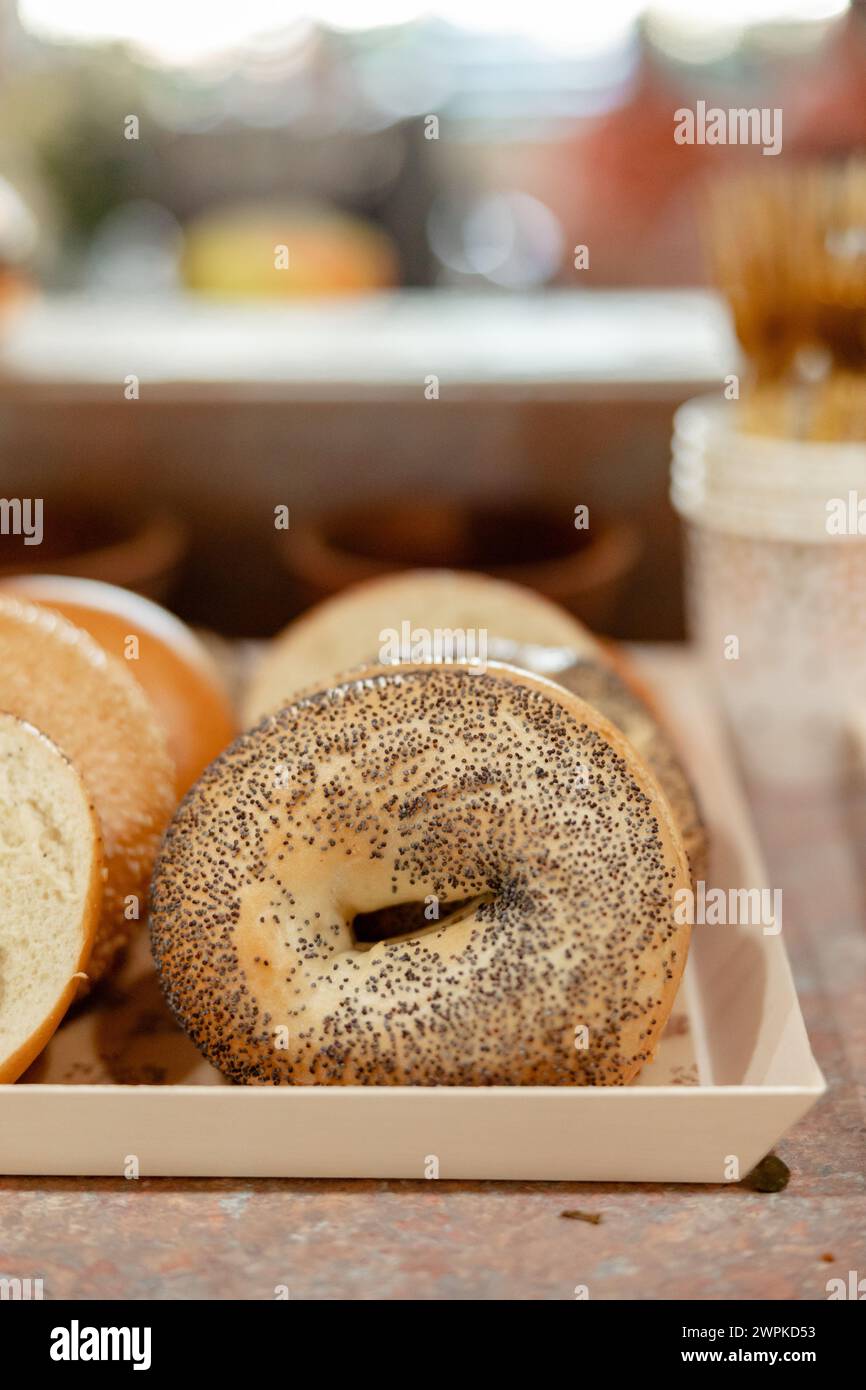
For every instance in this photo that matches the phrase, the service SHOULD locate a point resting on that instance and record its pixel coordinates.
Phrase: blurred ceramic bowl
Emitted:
(137, 550)
(584, 570)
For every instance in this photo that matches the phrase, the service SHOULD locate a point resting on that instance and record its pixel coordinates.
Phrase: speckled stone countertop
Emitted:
(219, 1239)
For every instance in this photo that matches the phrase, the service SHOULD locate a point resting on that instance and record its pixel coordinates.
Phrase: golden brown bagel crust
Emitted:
(408, 783)
(173, 667)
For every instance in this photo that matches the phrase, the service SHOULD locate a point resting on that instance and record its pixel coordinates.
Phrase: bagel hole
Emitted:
(406, 921)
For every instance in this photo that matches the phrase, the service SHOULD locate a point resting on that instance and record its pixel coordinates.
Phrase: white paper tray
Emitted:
(733, 1072)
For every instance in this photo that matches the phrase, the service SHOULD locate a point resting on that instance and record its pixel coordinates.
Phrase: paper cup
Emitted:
(776, 586)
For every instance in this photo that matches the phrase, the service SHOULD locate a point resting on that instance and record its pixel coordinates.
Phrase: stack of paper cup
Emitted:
(776, 585)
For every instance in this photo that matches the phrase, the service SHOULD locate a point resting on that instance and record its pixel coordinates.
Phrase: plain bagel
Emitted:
(346, 631)
(497, 796)
(171, 665)
(53, 675)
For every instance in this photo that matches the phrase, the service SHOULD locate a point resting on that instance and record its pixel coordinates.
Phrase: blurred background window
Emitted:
(330, 203)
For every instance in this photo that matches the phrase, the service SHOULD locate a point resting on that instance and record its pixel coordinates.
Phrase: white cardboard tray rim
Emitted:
(755, 1072)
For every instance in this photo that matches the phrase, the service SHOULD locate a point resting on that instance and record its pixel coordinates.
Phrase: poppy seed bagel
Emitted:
(620, 700)
(499, 794)
(520, 628)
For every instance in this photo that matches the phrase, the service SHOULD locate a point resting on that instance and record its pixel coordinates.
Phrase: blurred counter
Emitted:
(558, 342)
(554, 400)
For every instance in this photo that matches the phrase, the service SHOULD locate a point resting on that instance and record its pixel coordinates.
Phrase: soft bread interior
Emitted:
(49, 866)
(54, 675)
